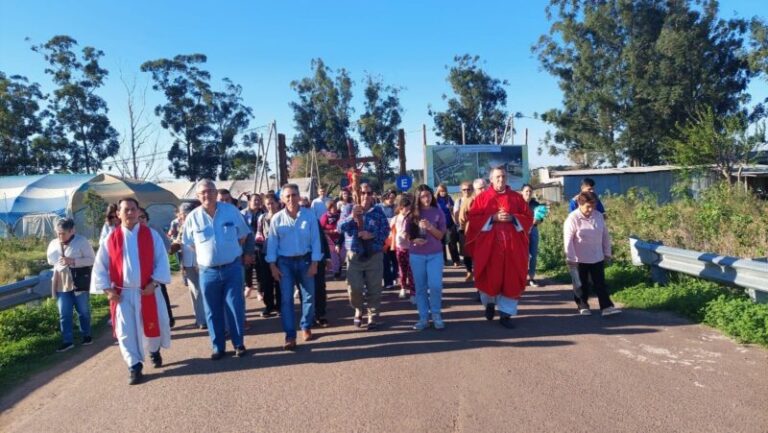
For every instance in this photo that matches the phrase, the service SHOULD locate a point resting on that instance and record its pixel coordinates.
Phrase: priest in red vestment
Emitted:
(497, 240)
(130, 265)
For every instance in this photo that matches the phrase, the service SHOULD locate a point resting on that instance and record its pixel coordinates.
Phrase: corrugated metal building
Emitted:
(657, 179)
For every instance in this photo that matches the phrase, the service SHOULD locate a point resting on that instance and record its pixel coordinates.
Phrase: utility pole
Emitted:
(282, 162)
(463, 137)
(401, 149)
(424, 150)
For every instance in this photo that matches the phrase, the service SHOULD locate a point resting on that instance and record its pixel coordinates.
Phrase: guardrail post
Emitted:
(642, 256)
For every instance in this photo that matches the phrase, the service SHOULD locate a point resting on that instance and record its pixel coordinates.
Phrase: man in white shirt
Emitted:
(130, 265)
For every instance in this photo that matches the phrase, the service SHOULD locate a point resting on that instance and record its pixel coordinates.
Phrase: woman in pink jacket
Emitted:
(587, 247)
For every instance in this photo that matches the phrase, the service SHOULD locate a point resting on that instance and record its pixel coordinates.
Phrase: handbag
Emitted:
(81, 278)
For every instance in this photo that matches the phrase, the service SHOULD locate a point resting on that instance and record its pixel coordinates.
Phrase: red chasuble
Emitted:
(499, 255)
(115, 244)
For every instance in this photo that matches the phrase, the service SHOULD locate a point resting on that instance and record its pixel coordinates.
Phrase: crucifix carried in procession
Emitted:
(353, 171)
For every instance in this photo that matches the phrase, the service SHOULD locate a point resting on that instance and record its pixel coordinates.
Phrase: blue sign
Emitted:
(404, 182)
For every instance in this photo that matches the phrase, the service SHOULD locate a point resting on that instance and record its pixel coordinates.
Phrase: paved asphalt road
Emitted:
(556, 372)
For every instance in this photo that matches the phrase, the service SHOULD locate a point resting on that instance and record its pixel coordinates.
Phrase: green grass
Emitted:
(29, 337)
(20, 258)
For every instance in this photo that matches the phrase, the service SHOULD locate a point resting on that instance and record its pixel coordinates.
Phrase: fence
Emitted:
(749, 274)
(27, 290)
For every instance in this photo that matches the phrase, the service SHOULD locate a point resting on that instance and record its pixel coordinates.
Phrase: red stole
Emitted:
(499, 255)
(115, 244)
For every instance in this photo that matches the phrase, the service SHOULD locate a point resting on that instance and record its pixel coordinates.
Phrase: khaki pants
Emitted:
(365, 275)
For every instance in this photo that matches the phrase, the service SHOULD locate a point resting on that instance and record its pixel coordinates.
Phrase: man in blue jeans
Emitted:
(217, 232)
(293, 253)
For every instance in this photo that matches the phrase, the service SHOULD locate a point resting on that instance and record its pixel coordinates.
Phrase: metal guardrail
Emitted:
(749, 274)
(27, 290)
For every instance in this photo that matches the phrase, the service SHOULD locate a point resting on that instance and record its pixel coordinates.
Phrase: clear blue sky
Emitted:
(264, 46)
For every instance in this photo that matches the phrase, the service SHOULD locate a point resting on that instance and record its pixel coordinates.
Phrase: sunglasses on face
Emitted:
(366, 193)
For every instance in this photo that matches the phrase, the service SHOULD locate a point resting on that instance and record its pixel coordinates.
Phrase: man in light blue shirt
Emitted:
(318, 205)
(217, 231)
(293, 252)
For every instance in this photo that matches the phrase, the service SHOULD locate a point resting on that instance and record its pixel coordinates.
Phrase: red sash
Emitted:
(115, 244)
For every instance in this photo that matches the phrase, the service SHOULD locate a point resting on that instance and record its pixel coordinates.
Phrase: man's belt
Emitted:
(220, 266)
(299, 257)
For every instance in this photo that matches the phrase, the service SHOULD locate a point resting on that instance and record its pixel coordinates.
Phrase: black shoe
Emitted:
(490, 310)
(268, 312)
(172, 322)
(136, 375)
(157, 359)
(215, 356)
(506, 321)
(64, 347)
(322, 322)
(240, 351)
(87, 341)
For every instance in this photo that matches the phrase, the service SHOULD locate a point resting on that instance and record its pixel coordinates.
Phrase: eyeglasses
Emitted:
(366, 193)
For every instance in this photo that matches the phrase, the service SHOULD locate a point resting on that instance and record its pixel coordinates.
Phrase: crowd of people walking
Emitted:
(281, 247)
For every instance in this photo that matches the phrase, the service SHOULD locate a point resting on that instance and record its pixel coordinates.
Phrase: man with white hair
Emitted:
(478, 186)
(217, 232)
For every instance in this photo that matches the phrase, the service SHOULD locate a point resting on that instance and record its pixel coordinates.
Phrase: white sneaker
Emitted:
(610, 311)
(403, 295)
(532, 283)
(586, 312)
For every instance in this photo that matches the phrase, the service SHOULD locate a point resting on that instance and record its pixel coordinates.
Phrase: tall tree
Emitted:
(378, 124)
(186, 113)
(29, 141)
(322, 113)
(631, 70)
(230, 120)
(725, 143)
(81, 114)
(479, 104)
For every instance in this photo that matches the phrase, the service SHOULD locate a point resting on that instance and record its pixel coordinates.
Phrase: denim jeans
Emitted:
(80, 301)
(533, 251)
(428, 278)
(294, 272)
(222, 289)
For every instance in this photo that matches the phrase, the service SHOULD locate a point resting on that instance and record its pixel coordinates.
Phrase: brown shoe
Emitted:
(290, 344)
(468, 278)
(306, 334)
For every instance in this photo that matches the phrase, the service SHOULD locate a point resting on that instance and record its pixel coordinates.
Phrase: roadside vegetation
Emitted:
(725, 220)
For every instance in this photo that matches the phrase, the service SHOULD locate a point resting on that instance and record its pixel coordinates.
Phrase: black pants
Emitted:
(250, 273)
(467, 259)
(268, 286)
(164, 291)
(592, 276)
(321, 296)
(451, 239)
(390, 267)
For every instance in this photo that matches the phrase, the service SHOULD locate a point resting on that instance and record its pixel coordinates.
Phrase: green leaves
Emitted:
(322, 113)
(478, 105)
(81, 115)
(631, 70)
(207, 126)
